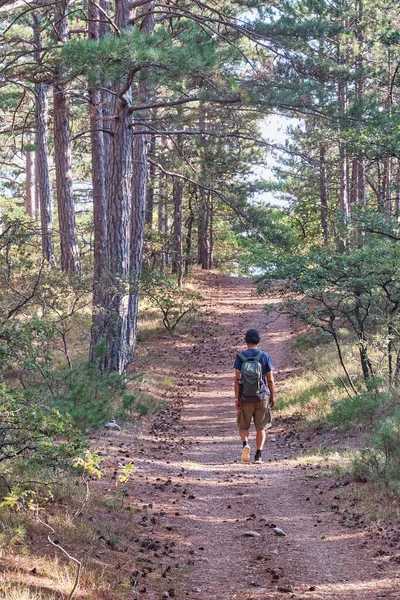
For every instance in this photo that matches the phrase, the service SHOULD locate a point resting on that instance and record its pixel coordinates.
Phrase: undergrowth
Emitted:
(319, 395)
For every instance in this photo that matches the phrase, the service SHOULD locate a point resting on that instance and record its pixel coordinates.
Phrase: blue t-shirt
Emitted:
(266, 363)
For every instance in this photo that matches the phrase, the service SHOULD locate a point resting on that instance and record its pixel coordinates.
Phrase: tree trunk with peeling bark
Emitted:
(42, 159)
(119, 214)
(397, 196)
(323, 192)
(30, 184)
(189, 234)
(99, 183)
(140, 169)
(69, 261)
(177, 236)
(151, 184)
(204, 229)
(162, 217)
(177, 250)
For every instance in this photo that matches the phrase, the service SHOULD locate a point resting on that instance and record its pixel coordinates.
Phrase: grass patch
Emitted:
(379, 461)
(319, 395)
(362, 412)
(314, 390)
(12, 590)
(50, 579)
(321, 455)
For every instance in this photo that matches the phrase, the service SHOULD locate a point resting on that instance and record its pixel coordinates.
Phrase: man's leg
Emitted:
(262, 421)
(260, 439)
(243, 421)
(244, 435)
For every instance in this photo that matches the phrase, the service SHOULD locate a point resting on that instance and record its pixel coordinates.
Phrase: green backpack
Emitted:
(251, 375)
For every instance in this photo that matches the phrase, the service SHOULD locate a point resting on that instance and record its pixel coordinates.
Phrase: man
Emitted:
(256, 407)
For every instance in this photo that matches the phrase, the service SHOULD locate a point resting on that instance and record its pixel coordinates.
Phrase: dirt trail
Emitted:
(210, 500)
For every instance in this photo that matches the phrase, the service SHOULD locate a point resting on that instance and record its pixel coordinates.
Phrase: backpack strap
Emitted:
(259, 356)
(256, 358)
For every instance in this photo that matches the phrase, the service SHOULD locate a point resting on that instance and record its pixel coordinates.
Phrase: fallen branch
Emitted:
(72, 558)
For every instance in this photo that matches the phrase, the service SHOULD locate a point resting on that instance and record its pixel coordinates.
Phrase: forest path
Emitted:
(211, 499)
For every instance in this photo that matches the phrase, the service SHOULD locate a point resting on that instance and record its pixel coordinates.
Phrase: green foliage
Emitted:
(358, 412)
(187, 52)
(264, 236)
(342, 292)
(86, 395)
(28, 425)
(165, 294)
(11, 536)
(380, 461)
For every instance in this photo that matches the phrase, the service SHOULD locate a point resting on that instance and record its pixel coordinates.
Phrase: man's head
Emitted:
(252, 337)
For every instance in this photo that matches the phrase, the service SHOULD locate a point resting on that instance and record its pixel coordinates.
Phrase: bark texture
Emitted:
(119, 201)
(204, 228)
(140, 170)
(42, 159)
(99, 183)
(323, 192)
(177, 252)
(30, 184)
(62, 154)
(151, 184)
(162, 217)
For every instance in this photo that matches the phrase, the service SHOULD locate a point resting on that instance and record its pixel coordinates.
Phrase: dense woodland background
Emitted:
(134, 151)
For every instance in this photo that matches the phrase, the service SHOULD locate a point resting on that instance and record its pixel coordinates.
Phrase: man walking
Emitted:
(254, 394)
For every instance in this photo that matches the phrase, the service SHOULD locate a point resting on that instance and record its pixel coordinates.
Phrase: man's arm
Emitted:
(271, 387)
(236, 388)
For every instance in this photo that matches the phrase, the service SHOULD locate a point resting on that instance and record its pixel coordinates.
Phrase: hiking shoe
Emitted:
(258, 460)
(245, 458)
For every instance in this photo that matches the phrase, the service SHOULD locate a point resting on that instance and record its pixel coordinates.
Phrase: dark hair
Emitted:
(252, 337)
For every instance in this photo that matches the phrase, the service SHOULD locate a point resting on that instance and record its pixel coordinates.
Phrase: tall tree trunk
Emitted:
(360, 176)
(344, 204)
(139, 188)
(42, 160)
(150, 185)
(204, 198)
(323, 192)
(397, 196)
(119, 212)
(353, 181)
(361, 182)
(177, 237)
(211, 232)
(30, 183)
(344, 190)
(99, 182)
(162, 217)
(106, 95)
(380, 191)
(387, 184)
(204, 229)
(177, 251)
(189, 234)
(62, 154)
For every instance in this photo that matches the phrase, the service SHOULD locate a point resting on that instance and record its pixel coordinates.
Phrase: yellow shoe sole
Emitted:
(245, 458)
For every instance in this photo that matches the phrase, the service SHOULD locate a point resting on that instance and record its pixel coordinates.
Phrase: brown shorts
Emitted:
(260, 412)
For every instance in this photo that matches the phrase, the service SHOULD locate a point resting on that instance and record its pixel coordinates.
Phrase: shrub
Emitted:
(380, 461)
(86, 395)
(28, 428)
(360, 411)
(165, 294)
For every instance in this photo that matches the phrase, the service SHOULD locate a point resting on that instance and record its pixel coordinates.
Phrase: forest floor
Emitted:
(180, 528)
